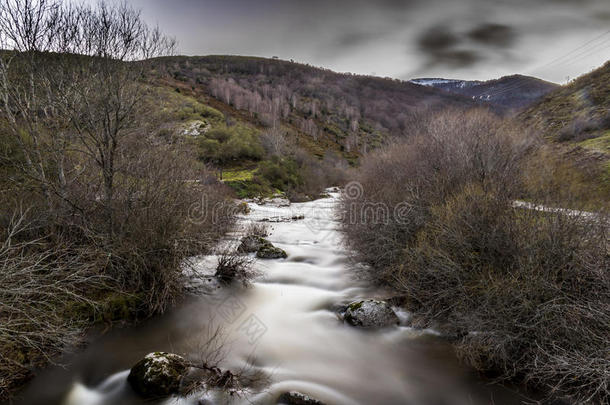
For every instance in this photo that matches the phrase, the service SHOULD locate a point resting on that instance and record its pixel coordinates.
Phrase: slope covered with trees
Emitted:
(353, 112)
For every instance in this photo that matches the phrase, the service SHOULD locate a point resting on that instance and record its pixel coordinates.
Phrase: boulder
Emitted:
(252, 243)
(158, 374)
(297, 398)
(271, 252)
(243, 208)
(370, 314)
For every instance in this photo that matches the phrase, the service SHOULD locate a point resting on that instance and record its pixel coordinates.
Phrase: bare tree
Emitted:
(74, 78)
(26, 28)
(275, 141)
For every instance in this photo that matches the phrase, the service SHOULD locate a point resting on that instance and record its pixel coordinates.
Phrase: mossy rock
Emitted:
(253, 243)
(243, 208)
(271, 252)
(297, 398)
(370, 314)
(158, 374)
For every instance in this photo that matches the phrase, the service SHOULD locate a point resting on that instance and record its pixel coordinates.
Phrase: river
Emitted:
(285, 325)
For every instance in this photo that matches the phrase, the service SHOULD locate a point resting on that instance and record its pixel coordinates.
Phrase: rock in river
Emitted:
(252, 243)
(271, 252)
(296, 398)
(158, 374)
(370, 314)
(263, 248)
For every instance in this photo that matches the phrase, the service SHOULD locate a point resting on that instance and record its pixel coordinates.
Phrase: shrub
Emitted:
(224, 145)
(302, 176)
(454, 150)
(281, 173)
(257, 229)
(233, 266)
(44, 290)
(79, 270)
(580, 129)
(524, 294)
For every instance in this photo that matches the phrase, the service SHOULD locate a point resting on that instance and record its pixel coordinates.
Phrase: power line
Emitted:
(556, 60)
(574, 55)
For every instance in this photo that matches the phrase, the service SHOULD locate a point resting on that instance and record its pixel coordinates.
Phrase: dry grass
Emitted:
(234, 267)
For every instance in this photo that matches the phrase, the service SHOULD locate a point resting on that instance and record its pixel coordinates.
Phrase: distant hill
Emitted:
(324, 108)
(504, 94)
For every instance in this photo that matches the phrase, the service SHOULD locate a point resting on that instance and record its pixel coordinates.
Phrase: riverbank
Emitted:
(522, 289)
(286, 326)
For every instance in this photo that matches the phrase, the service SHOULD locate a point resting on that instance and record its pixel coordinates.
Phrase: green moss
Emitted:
(158, 374)
(354, 306)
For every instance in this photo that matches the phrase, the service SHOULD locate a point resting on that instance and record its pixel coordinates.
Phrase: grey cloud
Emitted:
(456, 58)
(468, 38)
(437, 39)
(493, 34)
(442, 47)
(359, 38)
(355, 39)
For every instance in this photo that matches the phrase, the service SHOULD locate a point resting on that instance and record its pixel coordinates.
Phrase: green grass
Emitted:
(250, 189)
(600, 144)
(176, 107)
(238, 175)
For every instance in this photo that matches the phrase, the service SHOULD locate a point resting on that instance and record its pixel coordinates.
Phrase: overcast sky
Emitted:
(470, 39)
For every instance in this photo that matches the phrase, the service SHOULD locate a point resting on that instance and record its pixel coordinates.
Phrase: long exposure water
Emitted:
(286, 325)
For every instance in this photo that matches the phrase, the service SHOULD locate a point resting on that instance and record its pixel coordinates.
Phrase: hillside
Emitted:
(346, 112)
(576, 119)
(578, 113)
(504, 94)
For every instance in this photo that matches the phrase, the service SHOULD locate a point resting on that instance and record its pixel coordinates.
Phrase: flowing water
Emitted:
(285, 324)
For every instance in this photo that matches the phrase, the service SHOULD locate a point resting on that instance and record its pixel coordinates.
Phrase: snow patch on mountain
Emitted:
(445, 83)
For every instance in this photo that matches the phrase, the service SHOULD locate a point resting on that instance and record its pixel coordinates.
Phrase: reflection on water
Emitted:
(286, 325)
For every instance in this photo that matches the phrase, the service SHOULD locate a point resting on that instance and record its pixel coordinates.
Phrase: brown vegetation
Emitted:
(234, 267)
(98, 217)
(524, 294)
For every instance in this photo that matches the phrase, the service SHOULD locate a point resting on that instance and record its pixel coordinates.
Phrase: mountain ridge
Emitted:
(505, 94)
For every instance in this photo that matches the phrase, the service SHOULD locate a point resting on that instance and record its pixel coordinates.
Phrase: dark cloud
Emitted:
(459, 58)
(441, 46)
(493, 34)
(437, 39)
